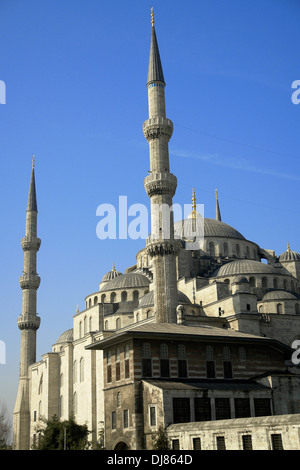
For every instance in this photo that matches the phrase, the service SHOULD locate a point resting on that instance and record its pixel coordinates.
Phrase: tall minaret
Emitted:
(28, 321)
(160, 186)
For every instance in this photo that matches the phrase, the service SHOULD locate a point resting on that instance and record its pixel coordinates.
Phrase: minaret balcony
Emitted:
(30, 243)
(160, 183)
(28, 322)
(156, 127)
(158, 247)
(29, 281)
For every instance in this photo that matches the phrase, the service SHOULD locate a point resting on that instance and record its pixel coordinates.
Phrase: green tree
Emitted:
(160, 440)
(62, 435)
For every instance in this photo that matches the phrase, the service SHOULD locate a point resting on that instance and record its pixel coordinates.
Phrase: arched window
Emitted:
(238, 250)
(118, 323)
(275, 283)
(247, 252)
(112, 297)
(126, 354)
(40, 409)
(146, 360)
(252, 281)
(103, 298)
(279, 308)
(95, 300)
(164, 360)
(137, 317)
(260, 309)
(85, 325)
(264, 282)
(181, 351)
(90, 302)
(148, 314)
(211, 249)
(285, 284)
(225, 249)
(226, 353)
(181, 363)
(81, 370)
(124, 296)
(227, 281)
(135, 295)
(80, 329)
(292, 286)
(106, 325)
(209, 353)
(242, 353)
(90, 324)
(297, 309)
(40, 385)
(118, 369)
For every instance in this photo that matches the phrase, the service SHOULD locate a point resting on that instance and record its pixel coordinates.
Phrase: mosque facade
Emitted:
(196, 337)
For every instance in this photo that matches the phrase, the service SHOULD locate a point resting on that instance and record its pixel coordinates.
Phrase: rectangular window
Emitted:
(210, 369)
(227, 367)
(182, 368)
(175, 444)
(113, 420)
(181, 410)
(125, 418)
(109, 373)
(127, 373)
(242, 407)
(262, 406)
(222, 408)
(276, 440)
(247, 442)
(164, 368)
(196, 443)
(34, 416)
(152, 412)
(221, 443)
(147, 367)
(117, 371)
(202, 409)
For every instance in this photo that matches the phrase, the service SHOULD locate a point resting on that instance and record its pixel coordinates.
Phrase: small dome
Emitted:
(126, 281)
(111, 275)
(278, 295)
(66, 337)
(247, 266)
(289, 255)
(148, 299)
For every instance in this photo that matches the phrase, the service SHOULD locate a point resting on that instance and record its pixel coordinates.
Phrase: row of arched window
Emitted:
(264, 282)
(279, 309)
(224, 250)
(111, 298)
(78, 373)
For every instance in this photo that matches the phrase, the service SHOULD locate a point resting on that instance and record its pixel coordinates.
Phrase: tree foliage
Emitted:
(5, 428)
(62, 435)
(160, 440)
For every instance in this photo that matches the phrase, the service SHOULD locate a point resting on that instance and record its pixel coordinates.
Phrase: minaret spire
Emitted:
(28, 321)
(218, 212)
(160, 186)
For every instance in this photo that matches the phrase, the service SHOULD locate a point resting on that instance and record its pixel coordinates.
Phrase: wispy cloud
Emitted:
(234, 163)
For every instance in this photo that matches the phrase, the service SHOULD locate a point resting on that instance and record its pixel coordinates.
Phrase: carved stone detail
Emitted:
(28, 322)
(162, 247)
(160, 183)
(156, 127)
(30, 243)
(29, 281)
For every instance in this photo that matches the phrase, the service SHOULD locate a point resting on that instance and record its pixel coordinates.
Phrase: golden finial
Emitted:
(194, 200)
(216, 194)
(288, 247)
(152, 16)
(113, 268)
(32, 161)
(77, 310)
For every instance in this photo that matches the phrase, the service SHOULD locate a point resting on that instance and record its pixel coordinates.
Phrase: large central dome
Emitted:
(185, 229)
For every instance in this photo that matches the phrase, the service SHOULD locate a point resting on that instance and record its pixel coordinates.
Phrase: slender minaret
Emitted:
(160, 186)
(28, 321)
(218, 212)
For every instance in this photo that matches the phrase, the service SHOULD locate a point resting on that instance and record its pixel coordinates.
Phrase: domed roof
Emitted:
(211, 228)
(66, 337)
(148, 299)
(126, 281)
(278, 295)
(289, 255)
(247, 266)
(111, 274)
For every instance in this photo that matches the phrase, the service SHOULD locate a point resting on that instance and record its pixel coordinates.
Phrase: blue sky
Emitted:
(75, 75)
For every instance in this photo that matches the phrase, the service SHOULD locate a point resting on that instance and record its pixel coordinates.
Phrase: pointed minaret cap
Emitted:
(32, 204)
(218, 212)
(155, 71)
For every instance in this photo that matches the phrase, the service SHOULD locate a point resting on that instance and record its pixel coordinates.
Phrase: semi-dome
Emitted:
(275, 295)
(111, 274)
(247, 266)
(148, 299)
(126, 281)
(188, 228)
(66, 337)
(289, 255)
